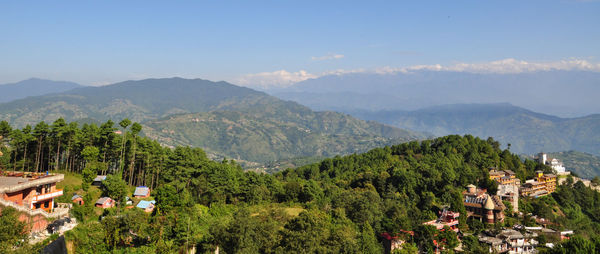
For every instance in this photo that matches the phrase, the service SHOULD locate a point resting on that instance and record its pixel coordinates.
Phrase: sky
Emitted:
(279, 42)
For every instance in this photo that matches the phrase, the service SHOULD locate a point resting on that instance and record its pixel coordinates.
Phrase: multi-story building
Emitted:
(33, 195)
(509, 193)
(504, 177)
(541, 185)
(508, 186)
(482, 206)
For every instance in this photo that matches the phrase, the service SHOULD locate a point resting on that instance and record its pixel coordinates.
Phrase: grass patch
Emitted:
(72, 180)
(293, 211)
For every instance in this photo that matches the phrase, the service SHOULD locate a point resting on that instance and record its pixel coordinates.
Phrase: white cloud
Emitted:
(329, 56)
(266, 80)
(283, 78)
(503, 66)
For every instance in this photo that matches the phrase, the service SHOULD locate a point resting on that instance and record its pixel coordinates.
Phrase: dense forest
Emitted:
(338, 205)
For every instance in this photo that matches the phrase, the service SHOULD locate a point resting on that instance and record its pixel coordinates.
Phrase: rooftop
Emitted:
(99, 178)
(102, 200)
(144, 204)
(16, 181)
(141, 191)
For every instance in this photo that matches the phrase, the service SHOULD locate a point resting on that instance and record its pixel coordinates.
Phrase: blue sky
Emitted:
(109, 41)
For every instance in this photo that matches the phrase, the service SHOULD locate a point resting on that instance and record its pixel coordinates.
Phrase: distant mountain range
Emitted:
(136, 100)
(33, 87)
(226, 120)
(527, 131)
(562, 93)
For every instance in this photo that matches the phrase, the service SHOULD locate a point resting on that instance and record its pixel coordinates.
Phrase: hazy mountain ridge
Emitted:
(137, 100)
(33, 87)
(563, 93)
(527, 131)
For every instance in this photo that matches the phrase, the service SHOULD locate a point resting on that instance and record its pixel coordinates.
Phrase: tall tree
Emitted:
(27, 138)
(40, 132)
(58, 130)
(107, 137)
(135, 130)
(71, 134)
(124, 124)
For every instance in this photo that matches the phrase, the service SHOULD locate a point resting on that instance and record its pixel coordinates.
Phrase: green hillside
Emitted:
(583, 164)
(262, 138)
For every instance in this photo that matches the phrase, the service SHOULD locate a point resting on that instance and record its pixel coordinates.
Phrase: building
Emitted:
(77, 199)
(509, 241)
(105, 202)
(98, 180)
(482, 206)
(33, 195)
(556, 165)
(504, 177)
(495, 245)
(509, 193)
(147, 206)
(447, 218)
(541, 185)
(561, 235)
(141, 192)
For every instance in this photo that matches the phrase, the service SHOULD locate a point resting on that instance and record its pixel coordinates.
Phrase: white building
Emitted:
(554, 163)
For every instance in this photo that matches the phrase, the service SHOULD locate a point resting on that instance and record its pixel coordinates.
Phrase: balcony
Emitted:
(50, 195)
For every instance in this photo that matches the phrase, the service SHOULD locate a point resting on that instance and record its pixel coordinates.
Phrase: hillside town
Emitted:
(34, 196)
(490, 209)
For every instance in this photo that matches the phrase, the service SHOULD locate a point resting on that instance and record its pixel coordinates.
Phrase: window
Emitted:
(37, 205)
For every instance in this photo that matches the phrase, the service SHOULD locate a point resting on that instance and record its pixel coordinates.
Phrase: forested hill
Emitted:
(262, 137)
(33, 87)
(527, 132)
(136, 100)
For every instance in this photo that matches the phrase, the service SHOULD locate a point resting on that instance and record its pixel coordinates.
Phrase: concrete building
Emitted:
(33, 195)
(541, 185)
(504, 177)
(510, 193)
